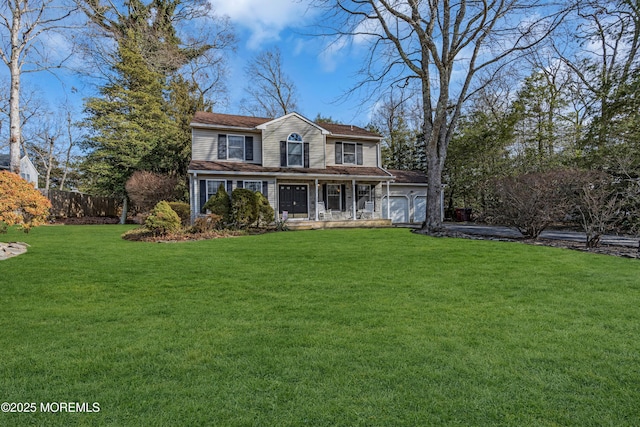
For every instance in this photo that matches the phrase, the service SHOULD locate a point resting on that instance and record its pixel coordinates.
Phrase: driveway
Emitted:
(505, 232)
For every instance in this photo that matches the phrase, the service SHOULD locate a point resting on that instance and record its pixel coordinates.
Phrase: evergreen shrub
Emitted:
(220, 204)
(183, 210)
(163, 220)
(244, 207)
(265, 211)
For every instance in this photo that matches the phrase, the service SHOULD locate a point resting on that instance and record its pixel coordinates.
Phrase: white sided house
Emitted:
(311, 172)
(28, 171)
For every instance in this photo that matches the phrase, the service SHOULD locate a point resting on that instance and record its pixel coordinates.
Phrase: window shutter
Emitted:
(306, 155)
(248, 148)
(283, 154)
(203, 194)
(265, 188)
(343, 195)
(338, 153)
(222, 147)
(229, 187)
(240, 184)
(359, 154)
(324, 195)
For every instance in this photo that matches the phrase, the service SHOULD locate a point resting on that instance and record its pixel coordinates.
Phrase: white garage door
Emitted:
(399, 209)
(420, 209)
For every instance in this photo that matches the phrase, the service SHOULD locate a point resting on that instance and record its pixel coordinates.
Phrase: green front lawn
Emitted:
(320, 328)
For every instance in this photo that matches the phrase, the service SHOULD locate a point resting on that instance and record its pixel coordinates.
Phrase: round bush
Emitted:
(220, 204)
(183, 210)
(163, 220)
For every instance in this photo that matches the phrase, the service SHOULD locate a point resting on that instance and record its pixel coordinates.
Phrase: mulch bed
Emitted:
(86, 220)
(613, 250)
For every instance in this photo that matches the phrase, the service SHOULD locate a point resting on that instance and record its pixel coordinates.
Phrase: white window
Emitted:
(334, 198)
(235, 147)
(253, 185)
(295, 150)
(213, 185)
(349, 153)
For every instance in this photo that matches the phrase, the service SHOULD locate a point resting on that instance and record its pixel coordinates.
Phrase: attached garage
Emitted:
(407, 197)
(399, 209)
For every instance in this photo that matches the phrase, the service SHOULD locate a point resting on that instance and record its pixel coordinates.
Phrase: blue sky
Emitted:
(321, 73)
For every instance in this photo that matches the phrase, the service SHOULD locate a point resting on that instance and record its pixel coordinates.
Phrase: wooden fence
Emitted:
(69, 204)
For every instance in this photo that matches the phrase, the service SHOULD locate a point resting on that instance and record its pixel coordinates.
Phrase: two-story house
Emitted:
(299, 165)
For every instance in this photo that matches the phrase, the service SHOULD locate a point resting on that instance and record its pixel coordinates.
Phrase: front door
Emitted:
(293, 199)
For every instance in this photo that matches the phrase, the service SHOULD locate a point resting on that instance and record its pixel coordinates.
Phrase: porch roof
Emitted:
(408, 177)
(331, 172)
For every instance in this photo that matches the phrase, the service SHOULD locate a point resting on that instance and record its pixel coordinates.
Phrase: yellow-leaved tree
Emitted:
(20, 203)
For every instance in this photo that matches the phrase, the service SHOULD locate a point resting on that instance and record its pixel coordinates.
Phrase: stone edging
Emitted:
(11, 249)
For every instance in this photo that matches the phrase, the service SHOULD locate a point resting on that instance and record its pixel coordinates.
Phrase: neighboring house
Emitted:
(295, 163)
(28, 171)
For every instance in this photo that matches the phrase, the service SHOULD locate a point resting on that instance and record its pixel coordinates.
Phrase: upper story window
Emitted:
(235, 147)
(294, 152)
(349, 153)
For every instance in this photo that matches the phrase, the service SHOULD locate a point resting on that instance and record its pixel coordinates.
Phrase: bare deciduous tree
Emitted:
(531, 202)
(598, 205)
(22, 26)
(272, 92)
(50, 142)
(444, 45)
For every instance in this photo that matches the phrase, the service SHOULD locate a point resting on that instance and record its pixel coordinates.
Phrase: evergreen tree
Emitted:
(537, 131)
(128, 124)
(477, 154)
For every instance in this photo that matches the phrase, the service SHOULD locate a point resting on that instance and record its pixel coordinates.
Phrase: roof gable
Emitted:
(296, 115)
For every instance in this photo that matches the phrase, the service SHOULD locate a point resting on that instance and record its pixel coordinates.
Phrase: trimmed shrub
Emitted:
(183, 210)
(20, 203)
(220, 204)
(162, 220)
(266, 215)
(244, 207)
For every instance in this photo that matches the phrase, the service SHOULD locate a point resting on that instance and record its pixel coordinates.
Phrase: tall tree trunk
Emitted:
(15, 130)
(433, 221)
(125, 208)
(68, 156)
(49, 165)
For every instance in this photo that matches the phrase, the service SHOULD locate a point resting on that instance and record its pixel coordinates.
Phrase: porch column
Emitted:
(193, 190)
(388, 202)
(277, 197)
(354, 201)
(316, 183)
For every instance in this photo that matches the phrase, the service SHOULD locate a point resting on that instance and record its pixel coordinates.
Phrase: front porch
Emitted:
(349, 223)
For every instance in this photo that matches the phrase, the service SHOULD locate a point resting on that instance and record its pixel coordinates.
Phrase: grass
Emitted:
(321, 328)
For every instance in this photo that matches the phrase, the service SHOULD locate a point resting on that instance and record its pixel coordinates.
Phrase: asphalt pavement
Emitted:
(510, 233)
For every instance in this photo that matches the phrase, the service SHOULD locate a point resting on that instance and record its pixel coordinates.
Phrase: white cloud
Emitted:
(264, 19)
(331, 54)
